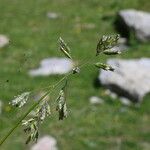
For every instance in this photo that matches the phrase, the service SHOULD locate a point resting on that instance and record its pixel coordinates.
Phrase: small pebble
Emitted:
(96, 100)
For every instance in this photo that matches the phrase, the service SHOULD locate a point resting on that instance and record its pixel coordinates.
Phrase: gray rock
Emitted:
(3, 41)
(96, 100)
(53, 66)
(137, 21)
(111, 94)
(53, 15)
(125, 101)
(130, 79)
(45, 143)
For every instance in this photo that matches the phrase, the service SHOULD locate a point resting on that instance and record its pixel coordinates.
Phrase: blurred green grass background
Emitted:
(33, 37)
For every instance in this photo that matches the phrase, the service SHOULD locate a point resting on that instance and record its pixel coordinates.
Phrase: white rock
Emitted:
(53, 66)
(96, 100)
(3, 41)
(52, 15)
(130, 79)
(45, 143)
(125, 101)
(137, 21)
(111, 94)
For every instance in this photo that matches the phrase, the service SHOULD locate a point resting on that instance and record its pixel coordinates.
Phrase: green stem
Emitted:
(87, 62)
(32, 107)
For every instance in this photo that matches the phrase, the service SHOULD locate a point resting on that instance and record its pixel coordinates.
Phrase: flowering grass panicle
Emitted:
(42, 107)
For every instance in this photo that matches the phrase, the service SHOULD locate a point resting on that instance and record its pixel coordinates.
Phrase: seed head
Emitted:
(20, 100)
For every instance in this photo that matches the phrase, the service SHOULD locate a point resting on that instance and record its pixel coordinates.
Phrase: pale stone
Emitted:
(96, 100)
(3, 41)
(130, 79)
(137, 22)
(45, 143)
(53, 66)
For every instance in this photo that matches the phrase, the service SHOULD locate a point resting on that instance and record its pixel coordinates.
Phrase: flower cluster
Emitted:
(106, 43)
(31, 128)
(32, 125)
(20, 100)
(61, 105)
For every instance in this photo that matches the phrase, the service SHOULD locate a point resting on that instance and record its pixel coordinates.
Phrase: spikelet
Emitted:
(20, 100)
(64, 48)
(106, 42)
(104, 66)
